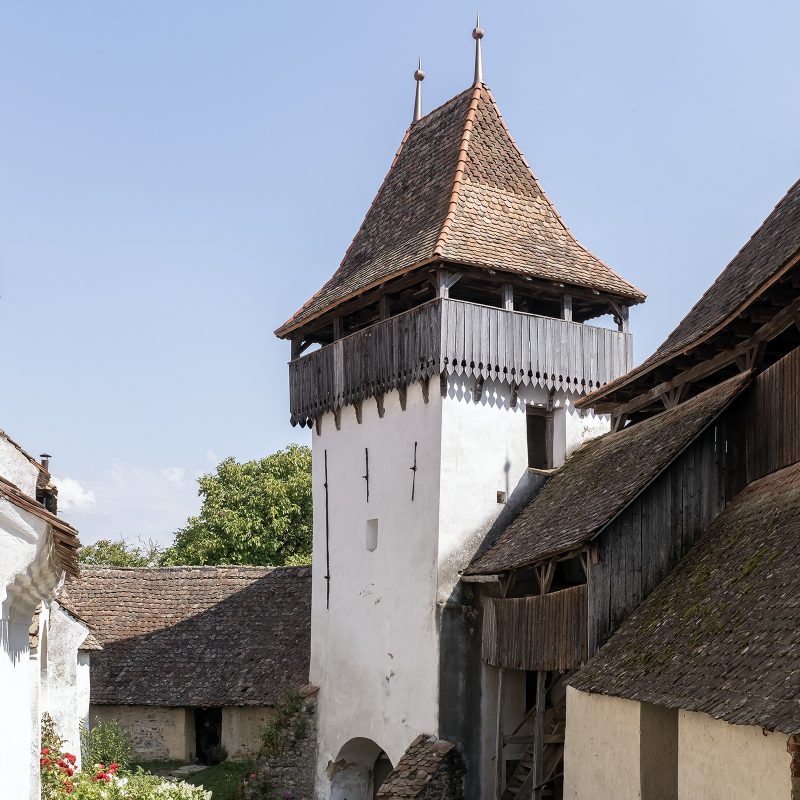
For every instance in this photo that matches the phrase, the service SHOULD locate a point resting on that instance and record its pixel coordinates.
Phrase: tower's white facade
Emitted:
(394, 559)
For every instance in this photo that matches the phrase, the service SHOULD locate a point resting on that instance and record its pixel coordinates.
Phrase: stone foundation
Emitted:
(290, 767)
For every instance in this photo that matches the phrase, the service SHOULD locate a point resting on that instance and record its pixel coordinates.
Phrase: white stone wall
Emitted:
(64, 701)
(612, 745)
(375, 652)
(27, 577)
(720, 761)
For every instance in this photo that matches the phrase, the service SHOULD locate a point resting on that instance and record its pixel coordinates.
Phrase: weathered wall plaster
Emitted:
(241, 729)
(720, 761)
(601, 750)
(156, 732)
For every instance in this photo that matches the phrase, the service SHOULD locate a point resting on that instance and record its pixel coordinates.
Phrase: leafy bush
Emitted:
(106, 743)
(139, 785)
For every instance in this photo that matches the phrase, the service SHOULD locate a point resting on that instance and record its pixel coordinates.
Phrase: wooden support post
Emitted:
(508, 296)
(566, 307)
(538, 737)
(623, 326)
(444, 280)
(337, 328)
(383, 307)
(500, 766)
(297, 347)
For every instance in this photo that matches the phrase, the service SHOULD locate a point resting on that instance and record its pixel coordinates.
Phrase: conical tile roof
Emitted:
(460, 191)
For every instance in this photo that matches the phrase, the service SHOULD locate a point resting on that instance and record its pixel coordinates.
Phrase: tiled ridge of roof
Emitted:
(772, 249)
(195, 636)
(721, 634)
(416, 767)
(600, 479)
(459, 190)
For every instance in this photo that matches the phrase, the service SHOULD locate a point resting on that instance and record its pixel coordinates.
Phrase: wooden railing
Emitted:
(451, 336)
(541, 632)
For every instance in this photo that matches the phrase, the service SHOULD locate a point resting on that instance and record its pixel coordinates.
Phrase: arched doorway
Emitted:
(359, 770)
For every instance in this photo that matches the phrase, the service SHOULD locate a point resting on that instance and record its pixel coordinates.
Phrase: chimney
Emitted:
(46, 461)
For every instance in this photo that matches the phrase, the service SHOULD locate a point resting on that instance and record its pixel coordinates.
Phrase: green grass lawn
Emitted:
(223, 780)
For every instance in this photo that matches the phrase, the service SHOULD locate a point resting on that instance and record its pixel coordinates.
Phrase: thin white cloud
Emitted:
(72, 496)
(174, 474)
(212, 457)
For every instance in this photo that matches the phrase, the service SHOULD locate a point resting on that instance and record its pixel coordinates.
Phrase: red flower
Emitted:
(71, 758)
(114, 767)
(253, 776)
(45, 751)
(44, 762)
(68, 787)
(70, 771)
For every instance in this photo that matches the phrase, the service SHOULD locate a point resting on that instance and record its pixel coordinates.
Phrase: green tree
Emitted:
(119, 553)
(259, 512)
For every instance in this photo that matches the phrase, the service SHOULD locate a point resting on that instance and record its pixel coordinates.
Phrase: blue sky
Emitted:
(177, 178)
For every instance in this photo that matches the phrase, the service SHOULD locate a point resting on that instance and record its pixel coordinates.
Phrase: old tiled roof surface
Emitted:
(600, 479)
(766, 253)
(721, 634)
(195, 636)
(459, 190)
(416, 767)
(90, 643)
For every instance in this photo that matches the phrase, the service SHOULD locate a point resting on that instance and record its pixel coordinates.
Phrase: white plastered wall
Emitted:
(65, 706)
(375, 651)
(720, 761)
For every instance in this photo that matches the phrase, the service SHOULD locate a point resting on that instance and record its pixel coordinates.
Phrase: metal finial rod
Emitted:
(419, 76)
(477, 35)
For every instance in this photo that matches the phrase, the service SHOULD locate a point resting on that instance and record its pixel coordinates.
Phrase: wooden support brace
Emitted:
(508, 296)
(384, 310)
(443, 280)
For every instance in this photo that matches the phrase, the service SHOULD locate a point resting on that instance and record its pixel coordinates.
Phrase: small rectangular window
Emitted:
(372, 534)
(540, 429)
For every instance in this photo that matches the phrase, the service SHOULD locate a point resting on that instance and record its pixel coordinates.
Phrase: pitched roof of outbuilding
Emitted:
(721, 634)
(459, 190)
(416, 767)
(195, 636)
(599, 480)
(769, 252)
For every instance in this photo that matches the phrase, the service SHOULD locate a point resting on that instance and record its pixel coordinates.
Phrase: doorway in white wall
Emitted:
(360, 769)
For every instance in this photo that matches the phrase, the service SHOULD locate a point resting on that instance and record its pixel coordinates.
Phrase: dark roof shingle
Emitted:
(460, 191)
(600, 479)
(195, 636)
(721, 634)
